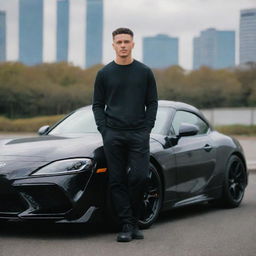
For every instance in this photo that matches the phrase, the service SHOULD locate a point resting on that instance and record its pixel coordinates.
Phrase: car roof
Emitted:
(176, 105)
(182, 106)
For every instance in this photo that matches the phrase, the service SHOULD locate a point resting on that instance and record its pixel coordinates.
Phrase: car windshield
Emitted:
(82, 121)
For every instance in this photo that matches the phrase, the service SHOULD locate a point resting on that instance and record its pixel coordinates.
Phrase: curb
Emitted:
(251, 167)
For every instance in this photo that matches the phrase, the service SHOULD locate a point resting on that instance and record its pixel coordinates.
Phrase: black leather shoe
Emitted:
(126, 234)
(137, 234)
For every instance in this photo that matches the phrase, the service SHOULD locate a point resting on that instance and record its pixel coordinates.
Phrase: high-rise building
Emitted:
(31, 31)
(94, 32)
(196, 53)
(160, 51)
(214, 48)
(2, 36)
(62, 30)
(247, 36)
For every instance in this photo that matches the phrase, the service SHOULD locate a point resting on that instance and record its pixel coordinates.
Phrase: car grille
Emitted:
(44, 198)
(10, 200)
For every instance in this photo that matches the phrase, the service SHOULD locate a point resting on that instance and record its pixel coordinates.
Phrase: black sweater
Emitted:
(125, 97)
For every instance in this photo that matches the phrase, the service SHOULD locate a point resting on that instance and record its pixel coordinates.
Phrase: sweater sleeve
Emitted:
(151, 101)
(98, 105)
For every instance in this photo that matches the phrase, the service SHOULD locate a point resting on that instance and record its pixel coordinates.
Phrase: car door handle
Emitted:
(207, 147)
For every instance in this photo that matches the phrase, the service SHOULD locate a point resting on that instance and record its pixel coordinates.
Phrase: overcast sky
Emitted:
(178, 18)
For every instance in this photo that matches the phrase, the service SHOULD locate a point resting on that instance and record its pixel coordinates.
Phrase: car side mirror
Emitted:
(187, 130)
(42, 130)
(184, 130)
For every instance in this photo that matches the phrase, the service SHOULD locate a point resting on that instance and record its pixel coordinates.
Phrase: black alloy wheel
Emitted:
(152, 199)
(235, 182)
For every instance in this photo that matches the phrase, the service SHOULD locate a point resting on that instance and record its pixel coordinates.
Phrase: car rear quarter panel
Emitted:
(225, 147)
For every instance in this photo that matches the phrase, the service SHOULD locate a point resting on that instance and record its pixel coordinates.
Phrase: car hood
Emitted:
(19, 157)
(48, 148)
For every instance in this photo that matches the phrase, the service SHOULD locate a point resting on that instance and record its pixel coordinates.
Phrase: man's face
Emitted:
(123, 45)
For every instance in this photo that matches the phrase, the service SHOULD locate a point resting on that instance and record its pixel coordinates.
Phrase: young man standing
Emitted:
(125, 106)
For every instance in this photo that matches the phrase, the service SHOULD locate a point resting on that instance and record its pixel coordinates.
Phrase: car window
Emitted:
(82, 121)
(190, 118)
(162, 117)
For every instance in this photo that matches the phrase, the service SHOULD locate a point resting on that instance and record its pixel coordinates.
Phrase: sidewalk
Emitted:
(249, 146)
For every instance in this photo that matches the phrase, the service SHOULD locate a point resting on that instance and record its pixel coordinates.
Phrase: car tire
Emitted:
(153, 199)
(152, 203)
(235, 181)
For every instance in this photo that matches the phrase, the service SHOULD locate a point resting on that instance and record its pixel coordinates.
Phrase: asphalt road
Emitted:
(191, 231)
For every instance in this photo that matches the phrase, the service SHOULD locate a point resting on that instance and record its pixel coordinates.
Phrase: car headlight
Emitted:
(66, 166)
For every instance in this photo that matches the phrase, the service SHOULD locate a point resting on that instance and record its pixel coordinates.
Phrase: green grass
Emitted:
(248, 130)
(27, 124)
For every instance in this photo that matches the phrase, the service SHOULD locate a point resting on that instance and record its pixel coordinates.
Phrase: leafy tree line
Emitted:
(46, 89)
(208, 88)
(58, 88)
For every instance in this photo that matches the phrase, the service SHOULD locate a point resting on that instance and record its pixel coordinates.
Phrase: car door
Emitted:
(195, 156)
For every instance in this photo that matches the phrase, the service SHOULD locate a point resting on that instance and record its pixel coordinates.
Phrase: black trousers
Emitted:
(127, 154)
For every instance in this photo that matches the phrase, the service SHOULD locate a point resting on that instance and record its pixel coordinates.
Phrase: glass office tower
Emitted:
(247, 36)
(214, 48)
(94, 32)
(2, 36)
(31, 31)
(160, 51)
(62, 30)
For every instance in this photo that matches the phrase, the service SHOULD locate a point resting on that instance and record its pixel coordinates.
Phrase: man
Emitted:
(125, 106)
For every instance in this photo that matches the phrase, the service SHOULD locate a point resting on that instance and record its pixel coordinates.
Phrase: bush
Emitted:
(58, 88)
(249, 130)
(27, 124)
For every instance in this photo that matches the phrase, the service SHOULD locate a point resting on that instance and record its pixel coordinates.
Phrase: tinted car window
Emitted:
(82, 121)
(190, 118)
(162, 118)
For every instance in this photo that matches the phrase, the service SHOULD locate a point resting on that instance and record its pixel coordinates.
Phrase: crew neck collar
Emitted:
(127, 65)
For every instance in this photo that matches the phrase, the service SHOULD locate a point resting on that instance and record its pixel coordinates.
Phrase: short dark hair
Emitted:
(122, 31)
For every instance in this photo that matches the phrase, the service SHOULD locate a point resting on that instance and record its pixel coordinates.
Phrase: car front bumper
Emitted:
(60, 198)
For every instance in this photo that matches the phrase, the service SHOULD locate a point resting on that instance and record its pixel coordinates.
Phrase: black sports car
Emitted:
(61, 175)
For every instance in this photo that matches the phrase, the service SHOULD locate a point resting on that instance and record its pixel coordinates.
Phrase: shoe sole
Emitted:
(124, 240)
(138, 237)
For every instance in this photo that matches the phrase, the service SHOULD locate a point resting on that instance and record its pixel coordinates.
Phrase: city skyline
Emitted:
(2, 36)
(31, 20)
(160, 51)
(247, 36)
(214, 48)
(62, 41)
(175, 18)
(94, 32)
